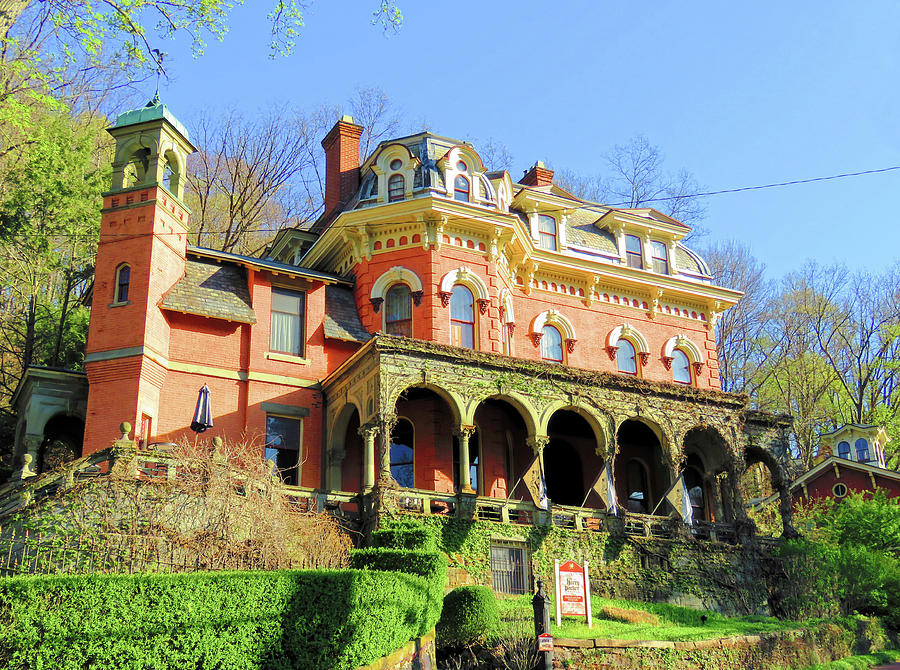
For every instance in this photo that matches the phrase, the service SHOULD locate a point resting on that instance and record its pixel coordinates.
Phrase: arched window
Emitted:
(681, 367)
(638, 491)
(123, 282)
(462, 317)
(626, 360)
(862, 450)
(551, 344)
(461, 189)
(547, 234)
(396, 187)
(844, 450)
(398, 311)
(402, 452)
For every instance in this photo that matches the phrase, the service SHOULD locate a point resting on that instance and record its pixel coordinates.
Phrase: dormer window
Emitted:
(123, 283)
(461, 187)
(396, 186)
(862, 450)
(633, 254)
(547, 235)
(659, 254)
(844, 450)
(396, 164)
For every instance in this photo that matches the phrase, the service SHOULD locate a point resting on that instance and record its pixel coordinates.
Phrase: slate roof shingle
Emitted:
(341, 316)
(215, 290)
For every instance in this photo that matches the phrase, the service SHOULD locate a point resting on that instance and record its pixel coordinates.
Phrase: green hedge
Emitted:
(406, 536)
(327, 620)
(470, 613)
(430, 565)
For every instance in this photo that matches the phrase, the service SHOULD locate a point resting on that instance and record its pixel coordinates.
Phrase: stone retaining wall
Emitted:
(786, 649)
(418, 654)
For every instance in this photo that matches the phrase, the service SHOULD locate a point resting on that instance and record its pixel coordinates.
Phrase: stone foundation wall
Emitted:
(418, 654)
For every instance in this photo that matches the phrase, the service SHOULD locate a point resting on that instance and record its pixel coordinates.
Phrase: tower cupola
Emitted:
(152, 147)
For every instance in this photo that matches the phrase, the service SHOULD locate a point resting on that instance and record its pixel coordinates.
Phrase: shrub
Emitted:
(406, 536)
(328, 620)
(428, 564)
(469, 613)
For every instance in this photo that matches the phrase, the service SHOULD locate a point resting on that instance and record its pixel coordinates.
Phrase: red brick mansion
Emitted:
(436, 328)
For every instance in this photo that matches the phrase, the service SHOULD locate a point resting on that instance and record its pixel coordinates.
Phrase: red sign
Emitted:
(545, 642)
(573, 601)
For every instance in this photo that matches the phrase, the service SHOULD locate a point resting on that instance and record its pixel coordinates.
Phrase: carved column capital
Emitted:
(464, 431)
(537, 443)
(368, 430)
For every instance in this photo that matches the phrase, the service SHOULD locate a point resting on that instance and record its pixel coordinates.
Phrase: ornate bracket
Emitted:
(510, 328)
(483, 304)
(667, 362)
(611, 351)
(536, 338)
(645, 357)
(445, 298)
(698, 368)
(376, 304)
(417, 297)
(570, 345)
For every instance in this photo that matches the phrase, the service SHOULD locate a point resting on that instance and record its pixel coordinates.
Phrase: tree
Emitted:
(636, 178)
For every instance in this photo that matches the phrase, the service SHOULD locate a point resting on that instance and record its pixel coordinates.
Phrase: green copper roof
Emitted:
(152, 111)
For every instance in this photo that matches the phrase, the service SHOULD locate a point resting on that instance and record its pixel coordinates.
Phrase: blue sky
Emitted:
(739, 95)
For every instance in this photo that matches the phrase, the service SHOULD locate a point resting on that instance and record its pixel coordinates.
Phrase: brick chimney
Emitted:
(539, 175)
(341, 146)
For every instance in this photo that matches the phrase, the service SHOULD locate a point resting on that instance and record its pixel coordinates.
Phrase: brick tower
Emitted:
(140, 256)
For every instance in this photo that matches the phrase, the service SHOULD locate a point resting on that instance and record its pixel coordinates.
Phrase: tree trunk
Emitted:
(28, 349)
(62, 319)
(10, 11)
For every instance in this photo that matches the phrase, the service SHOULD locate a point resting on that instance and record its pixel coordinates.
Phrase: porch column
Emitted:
(465, 479)
(368, 432)
(537, 444)
(385, 422)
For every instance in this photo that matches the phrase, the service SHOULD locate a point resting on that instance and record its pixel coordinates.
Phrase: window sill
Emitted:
(287, 358)
(119, 304)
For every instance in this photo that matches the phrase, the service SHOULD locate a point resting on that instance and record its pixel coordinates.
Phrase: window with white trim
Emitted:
(462, 317)
(681, 367)
(398, 311)
(659, 256)
(286, 327)
(551, 344)
(547, 232)
(626, 357)
(634, 256)
(283, 446)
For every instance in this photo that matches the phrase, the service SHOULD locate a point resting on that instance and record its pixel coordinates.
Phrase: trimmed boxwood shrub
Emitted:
(415, 536)
(432, 566)
(470, 613)
(328, 620)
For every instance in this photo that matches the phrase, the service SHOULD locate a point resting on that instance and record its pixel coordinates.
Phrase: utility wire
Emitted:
(588, 204)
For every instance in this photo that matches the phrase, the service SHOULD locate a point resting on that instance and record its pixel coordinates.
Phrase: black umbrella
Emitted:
(203, 414)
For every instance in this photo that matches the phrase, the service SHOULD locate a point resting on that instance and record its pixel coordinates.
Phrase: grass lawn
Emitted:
(673, 623)
(859, 662)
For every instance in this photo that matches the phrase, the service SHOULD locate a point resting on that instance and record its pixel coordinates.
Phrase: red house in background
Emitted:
(436, 329)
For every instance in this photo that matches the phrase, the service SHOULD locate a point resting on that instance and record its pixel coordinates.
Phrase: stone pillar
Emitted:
(465, 479)
(385, 423)
(368, 433)
(31, 444)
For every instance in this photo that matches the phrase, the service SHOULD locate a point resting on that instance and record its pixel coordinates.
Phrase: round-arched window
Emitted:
(681, 367)
(396, 187)
(551, 344)
(398, 311)
(862, 450)
(462, 317)
(844, 450)
(461, 189)
(626, 360)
